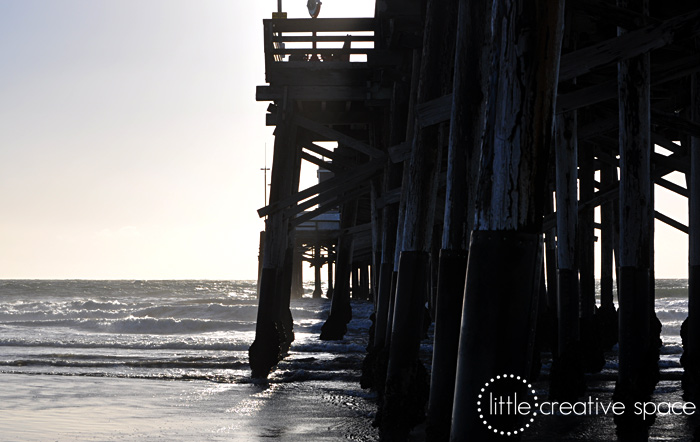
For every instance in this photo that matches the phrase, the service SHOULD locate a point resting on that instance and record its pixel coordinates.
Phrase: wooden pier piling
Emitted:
(335, 326)
(635, 376)
(607, 313)
(691, 344)
(567, 382)
(406, 390)
(505, 256)
(468, 117)
(273, 333)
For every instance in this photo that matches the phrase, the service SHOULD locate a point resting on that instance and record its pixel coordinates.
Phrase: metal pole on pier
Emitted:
(265, 169)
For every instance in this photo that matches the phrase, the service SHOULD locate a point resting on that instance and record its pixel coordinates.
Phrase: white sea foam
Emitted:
(161, 329)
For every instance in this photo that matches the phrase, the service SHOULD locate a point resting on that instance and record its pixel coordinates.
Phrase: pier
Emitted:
(476, 141)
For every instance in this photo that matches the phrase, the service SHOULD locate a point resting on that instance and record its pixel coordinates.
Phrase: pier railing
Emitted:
(325, 222)
(296, 46)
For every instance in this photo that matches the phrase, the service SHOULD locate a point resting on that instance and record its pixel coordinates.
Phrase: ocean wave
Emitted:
(671, 350)
(671, 292)
(110, 310)
(89, 308)
(206, 311)
(161, 364)
(299, 375)
(148, 325)
(329, 347)
(92, 304)
(669, 316)
(227, 376)
(141, 325)
(211, 345)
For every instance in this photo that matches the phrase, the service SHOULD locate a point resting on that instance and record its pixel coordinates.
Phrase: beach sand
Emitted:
(601, 427)
(79, 408)
(82, 408)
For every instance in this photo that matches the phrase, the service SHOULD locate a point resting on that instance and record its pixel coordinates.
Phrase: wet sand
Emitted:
(601, 427)
(81, 408)
(78, 408)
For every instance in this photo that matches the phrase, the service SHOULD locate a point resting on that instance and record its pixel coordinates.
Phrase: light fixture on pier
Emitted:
(314, 7)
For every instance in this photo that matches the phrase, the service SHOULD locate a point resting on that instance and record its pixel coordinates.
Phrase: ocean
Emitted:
(70, 347)
(152, 355)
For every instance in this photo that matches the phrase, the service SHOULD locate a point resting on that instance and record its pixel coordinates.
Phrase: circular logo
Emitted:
(507, 404)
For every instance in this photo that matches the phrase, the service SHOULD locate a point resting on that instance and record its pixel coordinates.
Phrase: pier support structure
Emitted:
(468, 117)
(691, 332)
(407, 383)
(273, 333)
(394, 102)
(567, 380)
(505, 256)
(638, 370)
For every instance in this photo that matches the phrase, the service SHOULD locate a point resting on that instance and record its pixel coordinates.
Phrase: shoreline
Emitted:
(48, 407)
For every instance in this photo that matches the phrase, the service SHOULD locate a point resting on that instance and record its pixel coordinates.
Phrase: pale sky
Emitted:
(130, 139)
(131, 142)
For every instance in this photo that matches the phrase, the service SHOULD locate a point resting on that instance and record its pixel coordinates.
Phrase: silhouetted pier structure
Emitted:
(457, 124)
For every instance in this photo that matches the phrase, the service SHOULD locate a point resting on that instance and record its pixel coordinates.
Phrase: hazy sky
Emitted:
(130, 139)
(131, 143)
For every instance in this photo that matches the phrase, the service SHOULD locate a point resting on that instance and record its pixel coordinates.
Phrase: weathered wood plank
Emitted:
(360, 228)
(670, 221)
(672, 162)
(321, 93)
(389, 197)
(338, 136)
(434, 111)
(660, 74)
(330, 183)
(267, 42)
(321, 38)
(353, 24)
(321, 163)
(667, 144)
(608, 193)
(323, 208)
(673, 187)
(677, 122)
(343, 118)
(629, 45)
(329, 194)
(323, 52)
(597, 128)
(335, 156)
(400, 152)
(606, 12)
